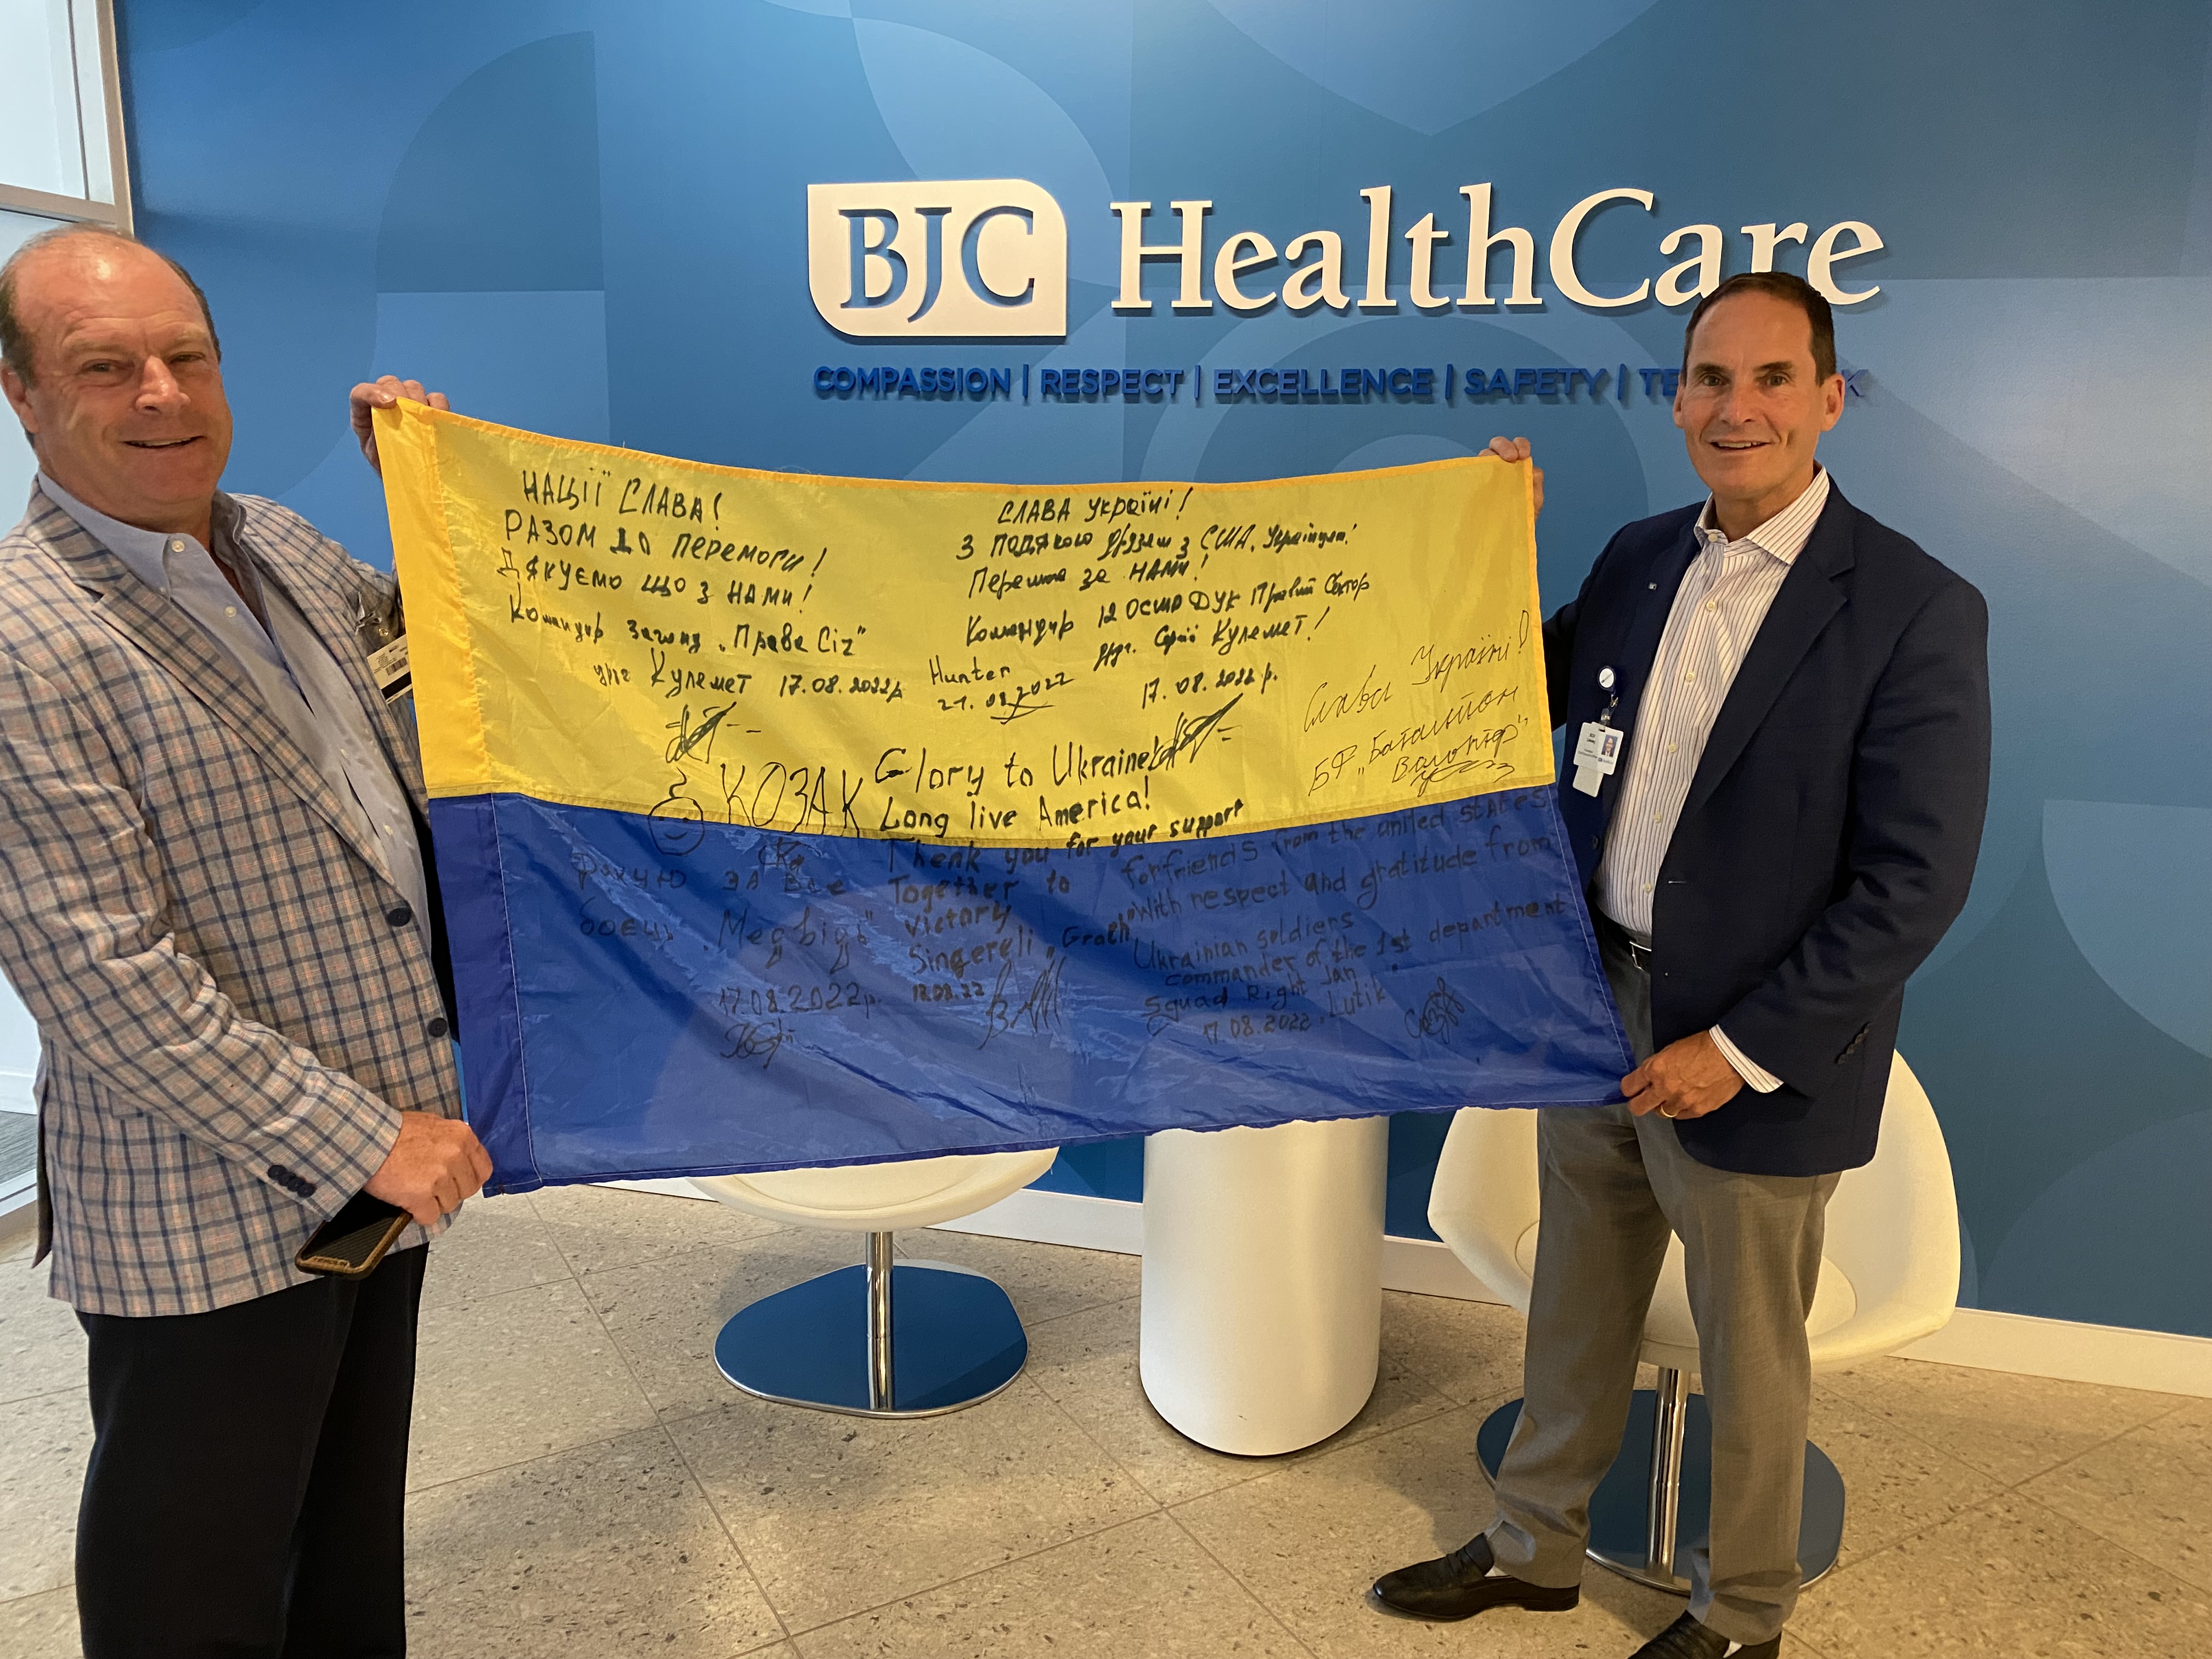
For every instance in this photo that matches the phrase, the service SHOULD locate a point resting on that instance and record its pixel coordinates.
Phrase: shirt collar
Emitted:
(144, 552)
(1784, 535)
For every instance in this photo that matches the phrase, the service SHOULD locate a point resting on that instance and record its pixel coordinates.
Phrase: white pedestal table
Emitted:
(1261, 1329)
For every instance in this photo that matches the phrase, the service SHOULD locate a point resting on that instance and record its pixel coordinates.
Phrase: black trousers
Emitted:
(248, 1471)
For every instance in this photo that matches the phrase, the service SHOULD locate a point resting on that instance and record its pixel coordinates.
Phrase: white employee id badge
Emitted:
(1597, 755)
(393, 677)
(384, 641)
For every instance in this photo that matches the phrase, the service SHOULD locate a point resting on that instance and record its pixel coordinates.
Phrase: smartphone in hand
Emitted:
(351, 1243)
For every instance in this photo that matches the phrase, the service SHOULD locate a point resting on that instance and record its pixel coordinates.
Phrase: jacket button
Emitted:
(283, 1178)
(399, 916)
(437, 1026)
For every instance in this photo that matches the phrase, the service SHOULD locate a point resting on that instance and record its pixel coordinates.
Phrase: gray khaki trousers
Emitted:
(1613, 1187)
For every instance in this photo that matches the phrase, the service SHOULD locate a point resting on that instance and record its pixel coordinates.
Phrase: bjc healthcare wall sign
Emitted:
(987, 258)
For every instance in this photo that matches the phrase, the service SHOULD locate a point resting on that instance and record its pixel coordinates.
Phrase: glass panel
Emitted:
(92, 99)
(19, 1061)
(39, 148)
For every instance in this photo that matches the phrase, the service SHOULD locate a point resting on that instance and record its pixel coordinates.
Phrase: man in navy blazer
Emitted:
(1777, 733)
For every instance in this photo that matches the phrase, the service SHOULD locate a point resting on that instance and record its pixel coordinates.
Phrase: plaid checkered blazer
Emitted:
(233, 1001)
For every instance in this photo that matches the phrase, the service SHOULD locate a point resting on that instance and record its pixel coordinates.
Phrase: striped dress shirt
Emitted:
(1725, 595)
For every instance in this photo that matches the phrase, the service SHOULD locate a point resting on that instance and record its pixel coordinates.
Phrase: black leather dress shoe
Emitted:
(1685, 1638)
(1461, 1584)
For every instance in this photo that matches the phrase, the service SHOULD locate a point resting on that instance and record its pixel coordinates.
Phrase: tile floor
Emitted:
(584, 1483)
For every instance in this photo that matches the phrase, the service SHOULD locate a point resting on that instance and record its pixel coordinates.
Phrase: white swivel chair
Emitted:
(913, 1339)
(1889, 1275)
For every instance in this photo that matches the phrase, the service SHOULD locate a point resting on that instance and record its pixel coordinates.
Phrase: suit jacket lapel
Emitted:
(162, 630)
(1808, 597)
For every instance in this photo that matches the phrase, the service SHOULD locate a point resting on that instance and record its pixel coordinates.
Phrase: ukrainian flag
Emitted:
(784, 821)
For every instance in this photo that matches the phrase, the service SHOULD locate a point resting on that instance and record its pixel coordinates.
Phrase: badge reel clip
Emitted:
(1597, 751)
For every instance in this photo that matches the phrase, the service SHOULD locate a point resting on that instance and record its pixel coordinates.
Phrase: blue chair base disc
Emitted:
(1617, 1508)
(955, 1340)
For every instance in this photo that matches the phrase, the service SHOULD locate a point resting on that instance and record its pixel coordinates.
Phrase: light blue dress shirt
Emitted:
(300, 683)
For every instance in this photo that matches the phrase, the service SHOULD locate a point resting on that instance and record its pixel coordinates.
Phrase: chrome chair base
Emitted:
(910, 1338)
(1625, 1512)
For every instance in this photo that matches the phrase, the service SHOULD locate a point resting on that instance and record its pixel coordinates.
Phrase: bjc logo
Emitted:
(965, 257)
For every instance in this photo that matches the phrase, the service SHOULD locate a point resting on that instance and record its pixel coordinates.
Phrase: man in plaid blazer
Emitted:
(215, 898)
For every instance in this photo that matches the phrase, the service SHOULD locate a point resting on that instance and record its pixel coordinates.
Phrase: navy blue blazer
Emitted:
(1831, 829)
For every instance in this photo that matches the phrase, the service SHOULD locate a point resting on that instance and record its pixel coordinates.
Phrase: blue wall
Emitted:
(589, 218)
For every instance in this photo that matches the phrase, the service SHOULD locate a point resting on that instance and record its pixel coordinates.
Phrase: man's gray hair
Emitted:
(15, 341)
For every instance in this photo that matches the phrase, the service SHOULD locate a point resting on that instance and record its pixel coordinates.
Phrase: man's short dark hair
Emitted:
(1783, 286)
(15, 341)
